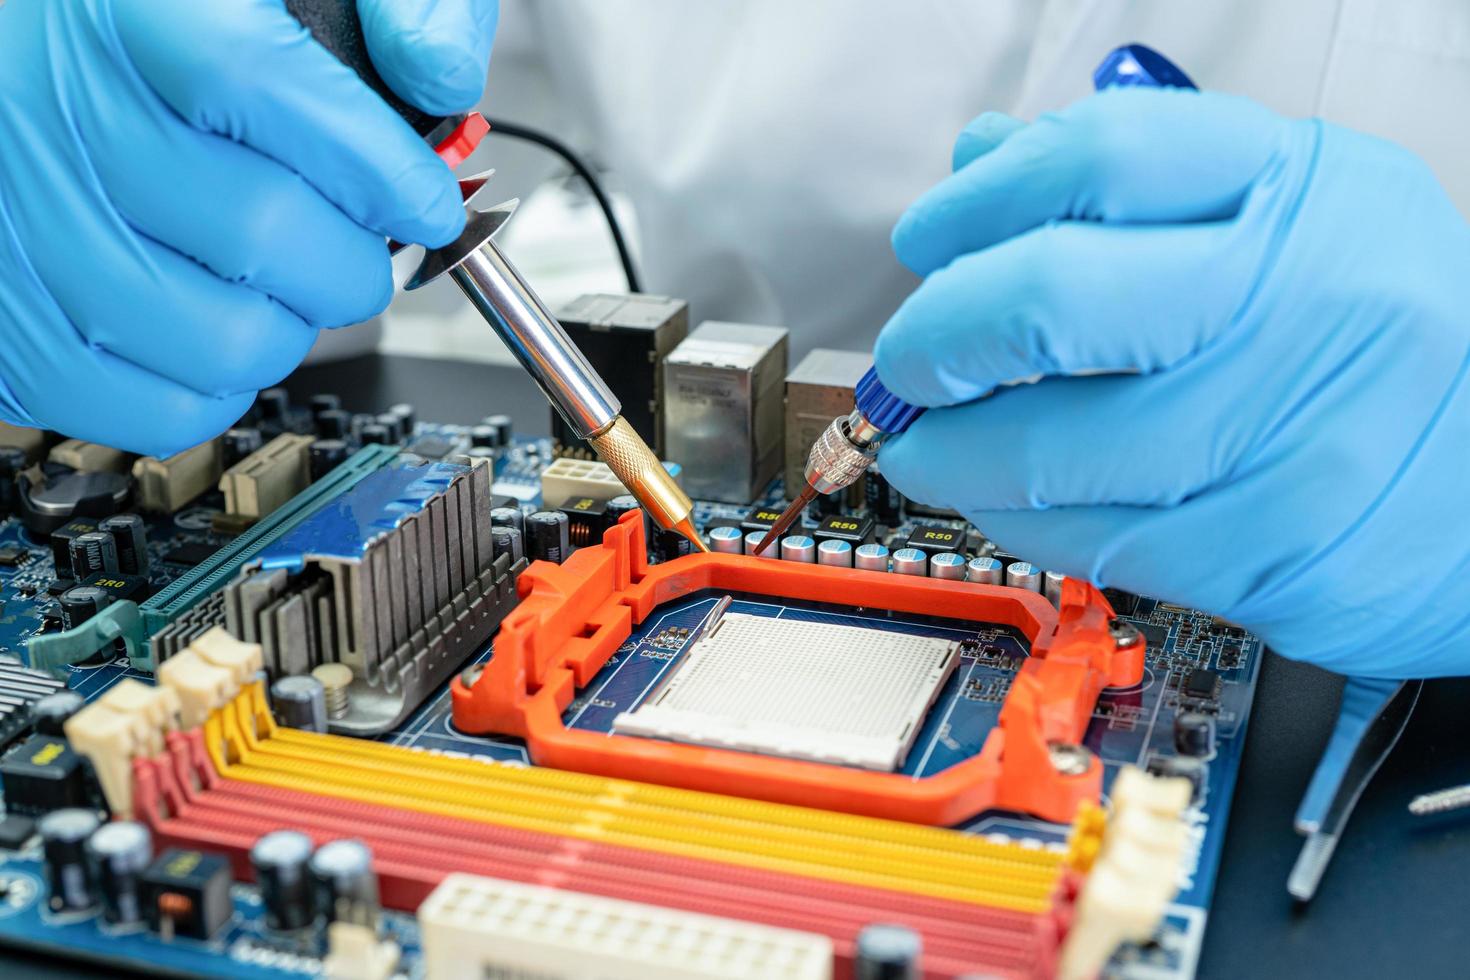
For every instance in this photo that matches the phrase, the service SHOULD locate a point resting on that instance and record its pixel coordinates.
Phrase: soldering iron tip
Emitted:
(686, 528)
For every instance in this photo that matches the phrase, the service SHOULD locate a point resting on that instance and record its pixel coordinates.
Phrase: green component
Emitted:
(119, 621)
(187, 591)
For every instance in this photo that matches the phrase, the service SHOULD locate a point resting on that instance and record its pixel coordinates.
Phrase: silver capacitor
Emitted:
(118, 854)
(1023, 575)
(753, 540)
(985, 571)
(834, 552)
(873, 557)
(300, 702)
(798, 547)
(726, 540)
(345, 887)
(947, 565)
(1051, 587)
(910, 561)
(280, 861)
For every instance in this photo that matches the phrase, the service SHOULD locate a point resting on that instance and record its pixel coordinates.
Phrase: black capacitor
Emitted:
(12, 461)
(373, 434)
(300, 701)
(483, 436)
(887, 952)
(117, 855)
(508, 517)
(393, 424)
(406, 416)
(345, 887)
(130, 536)
(271, 405)
(51, 712)
(80, 603)
(280, 860)
(64, 836)
(324, 402)
(90, 553)
(885, 504)
(324, 455)
(507, 541)
(239, 443)
(501, 425)
(1194, 734)
(333, 424)
(548, 536)
(671, 545)
(620, 505)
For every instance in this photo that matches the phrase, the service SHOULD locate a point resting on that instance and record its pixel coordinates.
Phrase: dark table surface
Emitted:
(1396, 900)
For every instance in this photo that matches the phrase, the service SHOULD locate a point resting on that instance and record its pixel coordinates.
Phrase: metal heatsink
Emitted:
(827, 693)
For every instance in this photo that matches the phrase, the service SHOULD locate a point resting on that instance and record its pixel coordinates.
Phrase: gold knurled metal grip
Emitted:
(628, 456)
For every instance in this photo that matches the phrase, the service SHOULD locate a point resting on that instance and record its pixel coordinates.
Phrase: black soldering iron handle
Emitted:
(335, 25)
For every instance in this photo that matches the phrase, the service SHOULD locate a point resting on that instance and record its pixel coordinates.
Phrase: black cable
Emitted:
(517, 131)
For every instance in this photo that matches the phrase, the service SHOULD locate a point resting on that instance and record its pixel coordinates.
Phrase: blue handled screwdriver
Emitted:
(847, 447)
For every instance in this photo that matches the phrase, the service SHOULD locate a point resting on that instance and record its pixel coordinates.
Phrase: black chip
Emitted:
(119, 586)
(190, 553)
(43, 774)
(1201, 684)
(59, 585)
(932, 539)
(10, 556)
(839, 527)
(1123, 603)
(15, 830)
(1154, 635)
(192, 888)
(504, 500)
(760, 518)
(432, 447)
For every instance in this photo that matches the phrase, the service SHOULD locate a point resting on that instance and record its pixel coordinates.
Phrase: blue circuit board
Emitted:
(1131, 726)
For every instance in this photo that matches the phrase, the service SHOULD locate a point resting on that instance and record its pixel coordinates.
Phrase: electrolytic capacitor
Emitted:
(345, 887)
(406, 415)
(670, 544)
(271, 405)
(393, 424)
(885, 504)
(118, 853)
(947, 565)
(873, 557)
(12, 462)
(130, 538)
(798, 547)
(80, 603)
(1194, 734)
(910, 561)
(548, 536)
(501, 426)
(887, 952)
(753, 540)
(64, 836)
(90, 553)
(726, 540)
(280, 860)
(324, 402)
(1023, 575)
(508, 517)
(51, 712)
(1051, 587)
(833, 552)
(300, 702)
(985, 571)
(507, 540)
(325, 455)
(334, 424)
(375, 434)
(620, 505)
(236, 444)
(482, 436)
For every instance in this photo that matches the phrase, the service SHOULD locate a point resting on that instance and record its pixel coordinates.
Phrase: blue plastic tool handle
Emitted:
(1129, 66)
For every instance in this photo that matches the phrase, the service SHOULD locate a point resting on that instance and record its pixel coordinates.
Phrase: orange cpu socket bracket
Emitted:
(573, 617)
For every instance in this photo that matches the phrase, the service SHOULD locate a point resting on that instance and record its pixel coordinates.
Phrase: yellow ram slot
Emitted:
(247, 746)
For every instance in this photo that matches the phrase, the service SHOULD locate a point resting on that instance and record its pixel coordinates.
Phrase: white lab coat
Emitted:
(769, 145)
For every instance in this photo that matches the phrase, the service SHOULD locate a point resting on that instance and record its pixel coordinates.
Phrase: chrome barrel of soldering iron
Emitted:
(842, 453)
(492, 284)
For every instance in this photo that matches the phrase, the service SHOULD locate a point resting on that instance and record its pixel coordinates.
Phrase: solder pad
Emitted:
(821, 692)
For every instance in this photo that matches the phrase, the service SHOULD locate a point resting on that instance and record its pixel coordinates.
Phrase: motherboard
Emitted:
(373, 696)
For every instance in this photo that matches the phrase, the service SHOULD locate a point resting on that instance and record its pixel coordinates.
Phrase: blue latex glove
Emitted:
(1248, 338)
(189, 190)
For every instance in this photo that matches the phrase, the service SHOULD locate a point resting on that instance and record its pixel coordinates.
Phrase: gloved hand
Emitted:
(1183, 346)
(189, 190)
